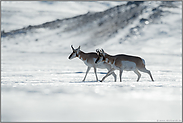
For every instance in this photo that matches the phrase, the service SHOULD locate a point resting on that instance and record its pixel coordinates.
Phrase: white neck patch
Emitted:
(114, 62)
(107, 60)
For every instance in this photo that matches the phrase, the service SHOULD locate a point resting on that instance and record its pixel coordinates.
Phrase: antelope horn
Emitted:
(72, 47)
(102, 50)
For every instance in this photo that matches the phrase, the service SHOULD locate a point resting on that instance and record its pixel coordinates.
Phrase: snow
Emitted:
(40, 83)
(38, 12)
(51, 89)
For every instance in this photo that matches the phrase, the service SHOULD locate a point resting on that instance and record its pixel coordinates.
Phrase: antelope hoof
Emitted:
(100, 80)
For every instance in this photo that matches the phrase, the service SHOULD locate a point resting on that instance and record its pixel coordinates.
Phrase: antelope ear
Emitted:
(72, 47)
(102, 50)
(97, 50)
(79, 48)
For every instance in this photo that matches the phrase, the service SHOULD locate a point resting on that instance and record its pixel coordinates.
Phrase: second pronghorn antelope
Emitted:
(123, 62)
(89, 60)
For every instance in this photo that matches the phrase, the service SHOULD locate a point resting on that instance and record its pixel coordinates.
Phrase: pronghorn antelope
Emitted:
(89, 60)
(122, 62)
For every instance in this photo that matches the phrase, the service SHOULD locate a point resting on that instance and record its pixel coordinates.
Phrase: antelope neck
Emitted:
(81, 55)
(109, 59)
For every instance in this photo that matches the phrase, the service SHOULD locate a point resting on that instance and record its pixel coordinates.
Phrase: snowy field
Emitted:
(40, 83)
(49, 87)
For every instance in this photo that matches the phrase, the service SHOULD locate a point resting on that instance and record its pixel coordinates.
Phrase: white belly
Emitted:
(87, 64)
(99, 65)
(115, 67)
(128, 66)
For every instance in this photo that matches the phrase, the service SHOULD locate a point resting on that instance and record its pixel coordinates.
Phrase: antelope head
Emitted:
(101, 56)
(74, 52)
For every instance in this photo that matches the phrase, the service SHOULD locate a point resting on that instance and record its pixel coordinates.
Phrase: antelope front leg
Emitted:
(95, 73)
(114, 75)
(109, 72)
(88, 69)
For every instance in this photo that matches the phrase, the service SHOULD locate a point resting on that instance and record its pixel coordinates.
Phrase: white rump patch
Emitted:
(143, 61)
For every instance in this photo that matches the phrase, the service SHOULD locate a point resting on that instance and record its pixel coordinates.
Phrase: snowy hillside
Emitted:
(37, 12)
(117, 26)
(40, 83)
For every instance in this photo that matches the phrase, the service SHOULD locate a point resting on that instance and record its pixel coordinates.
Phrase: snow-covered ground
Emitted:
(49, 87)
(40, 83)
